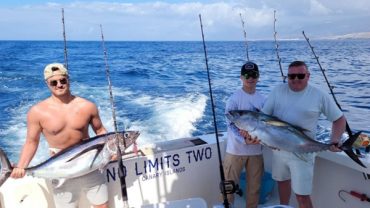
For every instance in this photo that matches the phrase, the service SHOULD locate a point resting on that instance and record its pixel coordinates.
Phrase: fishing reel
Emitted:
(229, 187)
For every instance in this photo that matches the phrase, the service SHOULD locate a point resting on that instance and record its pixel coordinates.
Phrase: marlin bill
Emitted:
(82, 158)
(281, 135)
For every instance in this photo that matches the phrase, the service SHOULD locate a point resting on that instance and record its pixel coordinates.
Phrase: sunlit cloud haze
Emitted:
(178, 20)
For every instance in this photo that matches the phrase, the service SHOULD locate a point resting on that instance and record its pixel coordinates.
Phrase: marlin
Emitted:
(79, 159)
(278, 134)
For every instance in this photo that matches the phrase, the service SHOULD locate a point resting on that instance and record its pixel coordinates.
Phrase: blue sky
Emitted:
(33, 2)
(178, 20)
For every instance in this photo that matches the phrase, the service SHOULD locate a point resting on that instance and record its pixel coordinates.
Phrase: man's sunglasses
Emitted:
(54, 83)
(253, 74)
(299, 76)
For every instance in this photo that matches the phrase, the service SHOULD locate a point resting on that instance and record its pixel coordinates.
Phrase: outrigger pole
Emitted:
(121, 168)
(65, 42)
(245, 36)
(277, 49)
(352, 137)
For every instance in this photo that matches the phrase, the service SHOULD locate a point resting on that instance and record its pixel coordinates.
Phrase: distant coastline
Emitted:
(361, 35)
(350, 36)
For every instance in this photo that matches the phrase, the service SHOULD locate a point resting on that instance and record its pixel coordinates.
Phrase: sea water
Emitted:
(161, 88)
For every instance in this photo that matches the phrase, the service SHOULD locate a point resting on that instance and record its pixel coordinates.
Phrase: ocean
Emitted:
(161, 88)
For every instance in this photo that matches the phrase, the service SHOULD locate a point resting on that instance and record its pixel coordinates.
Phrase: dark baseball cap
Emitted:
(249, 66)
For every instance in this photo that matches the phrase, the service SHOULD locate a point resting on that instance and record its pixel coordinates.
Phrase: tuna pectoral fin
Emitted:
(97, 147)
(347, 148)
(57, 182)
(6, 167)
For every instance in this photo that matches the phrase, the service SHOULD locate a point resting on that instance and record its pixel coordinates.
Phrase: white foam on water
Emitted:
(15, 134)
(172, 118)
(164, 118)
(100, 96)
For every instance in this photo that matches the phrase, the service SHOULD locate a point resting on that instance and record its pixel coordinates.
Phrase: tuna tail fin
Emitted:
(347, 148)
(6, 167)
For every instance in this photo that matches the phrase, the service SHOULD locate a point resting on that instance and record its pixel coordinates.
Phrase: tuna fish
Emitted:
(77, 160)
(278, 134)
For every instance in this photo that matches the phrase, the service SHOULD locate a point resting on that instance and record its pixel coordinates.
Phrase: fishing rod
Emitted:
(277, 49)
(352, 137)
(121, 169)
(227, 187)
(65, 42)
(245, 36)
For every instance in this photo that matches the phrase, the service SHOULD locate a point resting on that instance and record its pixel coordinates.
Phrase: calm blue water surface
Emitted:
(161, 88)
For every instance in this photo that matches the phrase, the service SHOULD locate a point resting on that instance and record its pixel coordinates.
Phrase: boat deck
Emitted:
(271, 202)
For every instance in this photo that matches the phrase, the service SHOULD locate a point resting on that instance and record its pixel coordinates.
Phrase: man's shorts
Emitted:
(295, 167)
(93, 185)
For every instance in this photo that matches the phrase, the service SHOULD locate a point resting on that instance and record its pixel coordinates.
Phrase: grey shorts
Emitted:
(93, 185)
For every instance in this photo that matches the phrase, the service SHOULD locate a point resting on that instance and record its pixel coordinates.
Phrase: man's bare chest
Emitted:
(57, 121)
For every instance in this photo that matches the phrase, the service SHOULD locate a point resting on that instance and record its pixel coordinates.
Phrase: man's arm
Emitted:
(96, 122)
(337, 129)
(30, 145)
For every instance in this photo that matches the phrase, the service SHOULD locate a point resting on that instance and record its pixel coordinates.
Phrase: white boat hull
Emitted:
(165, 171)
(188, 168)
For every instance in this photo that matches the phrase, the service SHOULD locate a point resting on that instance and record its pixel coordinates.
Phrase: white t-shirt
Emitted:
(241, 100)
(302, 108)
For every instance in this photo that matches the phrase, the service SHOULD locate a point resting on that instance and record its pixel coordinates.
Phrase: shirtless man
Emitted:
(64, 120)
